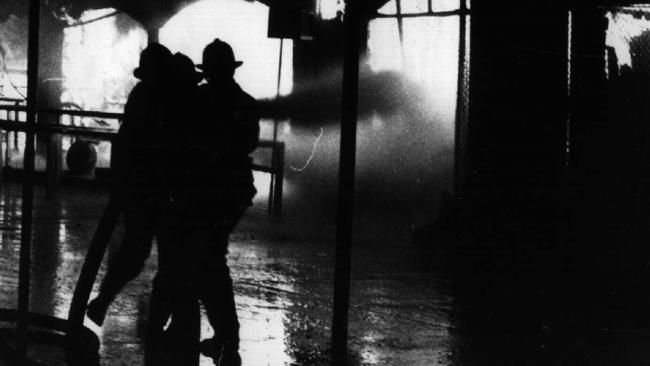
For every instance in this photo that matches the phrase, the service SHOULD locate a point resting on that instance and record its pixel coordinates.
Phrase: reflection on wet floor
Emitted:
(399, 313)
(9, 248)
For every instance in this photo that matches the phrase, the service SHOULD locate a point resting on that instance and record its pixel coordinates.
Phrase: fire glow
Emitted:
(98, 60)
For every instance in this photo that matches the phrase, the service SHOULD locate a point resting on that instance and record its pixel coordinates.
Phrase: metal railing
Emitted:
(80, 343)
(12, 123)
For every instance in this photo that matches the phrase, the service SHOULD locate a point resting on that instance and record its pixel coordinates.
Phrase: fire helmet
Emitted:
(218, 55)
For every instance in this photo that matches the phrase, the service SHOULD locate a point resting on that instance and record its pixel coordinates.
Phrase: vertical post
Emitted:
(273, 183)
(3, 135)
(153, 34)
(345, 214)
(13, 136)
(28, 181)
(400, 32)
(459, 138)
(50, 89)
(4, 139)
(567, 158)
(277, 95)
(7, 137)
(53, 162)
(279, 172)
(111, 163)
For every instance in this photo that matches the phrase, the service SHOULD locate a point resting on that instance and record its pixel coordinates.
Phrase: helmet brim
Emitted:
(235, 65)
(137, 73)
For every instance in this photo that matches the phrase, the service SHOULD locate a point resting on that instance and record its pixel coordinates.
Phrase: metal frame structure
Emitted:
(69, 332)
(345, 216)
(353, 23)
(22, 323)
(276, 168)
(463, 9)
(463, 12)
(4, 135)
(400, 15)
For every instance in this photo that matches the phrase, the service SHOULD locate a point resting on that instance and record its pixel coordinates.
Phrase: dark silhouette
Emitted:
(221, 191)
(137, 166)
(183, 175)
(173, 293)
(151, 144)
(211, 184)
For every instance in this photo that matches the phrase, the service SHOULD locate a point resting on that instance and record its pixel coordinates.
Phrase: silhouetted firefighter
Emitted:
(184, 175)
(174, 292)
(231, 127)
(138, 175)
(211, 183)
(149, 177)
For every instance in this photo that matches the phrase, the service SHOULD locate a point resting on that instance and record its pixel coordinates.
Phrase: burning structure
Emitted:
(408, 100)
(531, 158)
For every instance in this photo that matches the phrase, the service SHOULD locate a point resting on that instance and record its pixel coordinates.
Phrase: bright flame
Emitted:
(98, 61)
(384, 45)
(420, 6)
(13, 58)
(244, 26)
(414, 6)
(622, 29)
(447, 5)
(329, 9)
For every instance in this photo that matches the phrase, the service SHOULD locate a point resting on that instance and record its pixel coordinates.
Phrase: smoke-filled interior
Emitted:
(408, 92)
(498, 220)
(404, 162)
(13, 58)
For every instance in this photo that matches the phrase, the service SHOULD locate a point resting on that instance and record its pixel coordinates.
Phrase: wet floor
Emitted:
(401, 308)
(486, 304)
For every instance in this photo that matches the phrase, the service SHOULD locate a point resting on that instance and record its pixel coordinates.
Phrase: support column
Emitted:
(50, 89)
(588, 83)
(518, 109)
(3, 156)
(345, 213)
(460, 130)
(153, 34)
(28, 181)
(516, 161)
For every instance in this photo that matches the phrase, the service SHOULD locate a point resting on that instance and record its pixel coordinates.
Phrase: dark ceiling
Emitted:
(148, 12)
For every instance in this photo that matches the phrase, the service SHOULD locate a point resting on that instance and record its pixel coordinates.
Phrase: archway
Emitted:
(244, 26)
